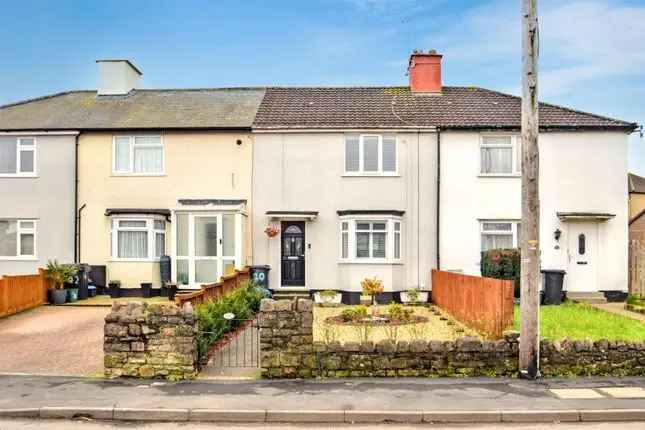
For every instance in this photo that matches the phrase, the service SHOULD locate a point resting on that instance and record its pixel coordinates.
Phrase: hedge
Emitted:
(502, 264)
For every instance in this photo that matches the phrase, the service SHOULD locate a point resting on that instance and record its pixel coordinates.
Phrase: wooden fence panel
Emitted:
(214, 291)
(484, 304)
(18, 293)
(637, 263)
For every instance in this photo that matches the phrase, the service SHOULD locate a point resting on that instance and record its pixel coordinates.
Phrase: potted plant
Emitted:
(146, 289)
(172, 290)
(328, 297)
(59, 274)
(114, 288)
(372, 287)
(414, 296)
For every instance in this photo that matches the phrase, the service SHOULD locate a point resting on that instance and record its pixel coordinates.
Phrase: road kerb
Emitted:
(602, 415)
(20, 413)
(135, 414)
(305, 416)
(221, 415)
(69, 412)
(383, 416)
(544, 416)
(462, 417)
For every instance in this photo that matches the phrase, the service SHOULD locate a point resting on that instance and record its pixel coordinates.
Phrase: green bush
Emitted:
(243, 303)
(502, 264)
(354, 314)
(398, 313)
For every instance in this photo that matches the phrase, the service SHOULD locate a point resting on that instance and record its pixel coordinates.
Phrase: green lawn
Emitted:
(580, 321)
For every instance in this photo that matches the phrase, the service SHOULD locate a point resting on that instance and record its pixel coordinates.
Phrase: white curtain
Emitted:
(8, 155)
(122, 154)
(133, 244)
(147, 159)
(8, 238)
(496, 241)
(497, 160)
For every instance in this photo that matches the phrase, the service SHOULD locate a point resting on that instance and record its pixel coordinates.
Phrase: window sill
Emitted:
(379, 262)
(371, 175)
(499, 175)
(19, 258)
(10, 175)
(136, 175)
(134, 260)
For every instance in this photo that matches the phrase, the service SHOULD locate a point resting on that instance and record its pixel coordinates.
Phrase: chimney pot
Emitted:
(117, 77)
(425, 72)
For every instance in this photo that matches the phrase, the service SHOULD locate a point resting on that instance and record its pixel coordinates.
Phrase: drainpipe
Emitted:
(76, 224)
(418, 207)
(438, 236)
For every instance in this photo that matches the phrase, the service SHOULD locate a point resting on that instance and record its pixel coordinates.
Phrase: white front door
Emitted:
(205, 247)
(582, 252)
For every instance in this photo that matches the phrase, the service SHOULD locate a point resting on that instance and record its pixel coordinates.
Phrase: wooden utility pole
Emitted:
(530, 247)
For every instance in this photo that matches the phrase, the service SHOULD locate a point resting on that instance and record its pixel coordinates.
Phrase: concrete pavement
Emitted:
(477, 400)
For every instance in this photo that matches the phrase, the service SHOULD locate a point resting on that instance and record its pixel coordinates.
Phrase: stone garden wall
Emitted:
(288, 351)
(150, 341)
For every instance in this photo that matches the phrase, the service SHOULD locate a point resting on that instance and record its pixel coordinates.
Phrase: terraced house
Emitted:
(347, 182)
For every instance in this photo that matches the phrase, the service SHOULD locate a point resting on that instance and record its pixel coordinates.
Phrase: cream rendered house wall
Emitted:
(304, 172)
(579, 171)
(198, 165)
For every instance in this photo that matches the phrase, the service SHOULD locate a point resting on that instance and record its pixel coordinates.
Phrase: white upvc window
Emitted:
(138, 239)
(370, 240)
(496, 234)
(17, 239)
(370, 155)
(500, 155)
(138, 155)
(17, 156)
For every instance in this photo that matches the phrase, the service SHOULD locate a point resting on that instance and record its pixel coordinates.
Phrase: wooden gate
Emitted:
(18, 293)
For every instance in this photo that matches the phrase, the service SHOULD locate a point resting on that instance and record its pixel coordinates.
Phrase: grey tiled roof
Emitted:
(142, 109)
(382, 107)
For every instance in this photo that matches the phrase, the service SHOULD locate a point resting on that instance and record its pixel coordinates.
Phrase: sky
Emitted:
(592, 52)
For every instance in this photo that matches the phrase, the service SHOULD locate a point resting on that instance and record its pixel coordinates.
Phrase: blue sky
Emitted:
(592, 51)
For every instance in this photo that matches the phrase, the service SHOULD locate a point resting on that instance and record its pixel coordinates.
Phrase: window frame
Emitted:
(361, 160)
(19, 232)
(351, 231)
(515, 146)
(20, 148)
(514, 231)
(151, 236)
(131, 146)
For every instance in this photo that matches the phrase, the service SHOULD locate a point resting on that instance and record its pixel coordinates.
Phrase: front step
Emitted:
(290, 294)
(592, 298)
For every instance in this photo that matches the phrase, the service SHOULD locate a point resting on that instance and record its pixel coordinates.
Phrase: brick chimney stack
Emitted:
(425, 72)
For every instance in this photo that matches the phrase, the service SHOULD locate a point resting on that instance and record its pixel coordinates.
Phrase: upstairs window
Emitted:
(138, 155)
(500, 155)
(370, 154)
(17, 156)
(17, 239)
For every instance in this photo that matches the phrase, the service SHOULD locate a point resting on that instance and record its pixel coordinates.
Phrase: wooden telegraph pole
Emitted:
(530, 247)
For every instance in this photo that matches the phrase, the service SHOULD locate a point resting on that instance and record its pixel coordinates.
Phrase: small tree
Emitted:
(372, 287)
(58, 274)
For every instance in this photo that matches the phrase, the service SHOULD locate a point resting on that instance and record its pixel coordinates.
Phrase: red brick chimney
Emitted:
(425, 72)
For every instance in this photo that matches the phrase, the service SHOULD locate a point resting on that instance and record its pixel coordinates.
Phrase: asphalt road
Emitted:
(96, 425)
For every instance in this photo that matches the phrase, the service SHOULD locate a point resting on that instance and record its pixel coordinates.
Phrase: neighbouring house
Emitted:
(636, 189)
(37, 171)
(394, 181)
(160, 172)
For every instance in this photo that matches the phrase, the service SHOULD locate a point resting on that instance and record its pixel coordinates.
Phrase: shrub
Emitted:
(243, 303)
(413, 295)
(502, 264)
(372, 287)
(59, 274)
(398, 313)
(354, 314)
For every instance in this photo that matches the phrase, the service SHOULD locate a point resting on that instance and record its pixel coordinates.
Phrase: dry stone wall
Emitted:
(288, 351)
(150, 341)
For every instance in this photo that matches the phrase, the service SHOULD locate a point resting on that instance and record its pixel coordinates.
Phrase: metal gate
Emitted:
(240, 347)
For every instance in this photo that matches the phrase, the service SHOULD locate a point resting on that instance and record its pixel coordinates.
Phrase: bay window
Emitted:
(370, 154)
(370, 240)
(17, 156)
(500, 155)
(500, 234)
(137, 155)
(142, 238)
(17, 239)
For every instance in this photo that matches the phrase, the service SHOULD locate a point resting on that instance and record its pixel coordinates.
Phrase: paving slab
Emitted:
(577, 393)
(530, 416)
(383, 417)
(624, 392)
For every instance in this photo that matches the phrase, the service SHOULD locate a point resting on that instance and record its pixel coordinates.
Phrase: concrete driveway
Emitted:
(53, 340)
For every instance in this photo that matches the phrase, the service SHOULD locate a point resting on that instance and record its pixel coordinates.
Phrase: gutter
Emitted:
(438, 216)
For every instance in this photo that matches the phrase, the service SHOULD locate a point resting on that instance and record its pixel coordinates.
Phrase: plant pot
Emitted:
(172, 290)
(422, 297)
(72, 294)
(58, 297)
(326, 300)
(146, 289)
(114, 289)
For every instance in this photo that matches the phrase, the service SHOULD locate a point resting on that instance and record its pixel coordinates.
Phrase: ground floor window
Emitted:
(17, 239)
(370, 240)
(497, 234)
(141, 238)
